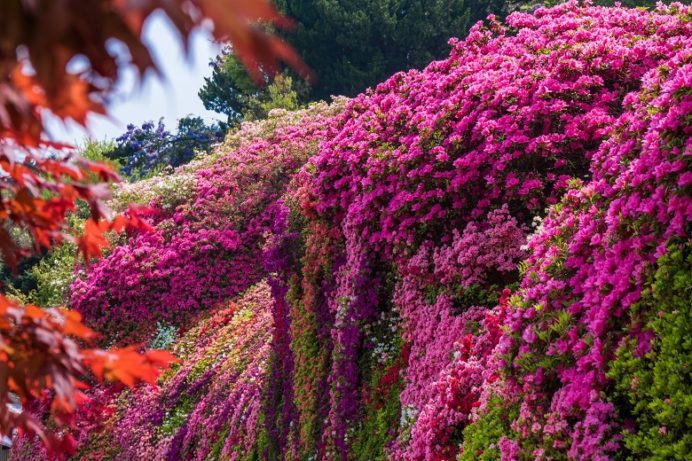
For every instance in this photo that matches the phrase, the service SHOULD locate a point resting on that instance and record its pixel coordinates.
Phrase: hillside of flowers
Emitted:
(210, 221)
(487, 259)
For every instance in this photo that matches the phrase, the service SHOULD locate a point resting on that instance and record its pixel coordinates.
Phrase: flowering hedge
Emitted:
(585, 291)
(439, 173)
(484, 259)
(207, 239)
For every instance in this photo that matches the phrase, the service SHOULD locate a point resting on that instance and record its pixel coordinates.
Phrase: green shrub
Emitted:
(655, 389)
(482, 436)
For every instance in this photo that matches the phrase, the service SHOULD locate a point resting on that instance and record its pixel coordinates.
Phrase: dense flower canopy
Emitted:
(206, 243)
(484, 259)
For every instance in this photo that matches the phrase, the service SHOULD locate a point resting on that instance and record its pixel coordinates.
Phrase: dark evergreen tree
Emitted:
(229, 88)
(353, 44)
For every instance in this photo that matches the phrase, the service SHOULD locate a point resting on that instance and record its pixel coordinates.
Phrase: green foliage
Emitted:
(383, 408)
(464, 297)
(655, 389)
(481, 437)
(53, 275)
(97, 151)
(231, 92)
(279, 94)
(176, 417)
(228, 88)
(20, 282)
(218, 444)
(44, 279)
(312, 366)
(349, 45)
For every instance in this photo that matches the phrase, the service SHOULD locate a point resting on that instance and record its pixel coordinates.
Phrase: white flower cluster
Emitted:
(382, 333)
(537, 226)
(165, 335)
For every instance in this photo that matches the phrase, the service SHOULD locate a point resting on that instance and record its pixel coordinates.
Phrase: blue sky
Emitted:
(172, 97)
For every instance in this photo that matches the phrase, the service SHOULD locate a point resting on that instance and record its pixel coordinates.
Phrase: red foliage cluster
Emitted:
(40, 351)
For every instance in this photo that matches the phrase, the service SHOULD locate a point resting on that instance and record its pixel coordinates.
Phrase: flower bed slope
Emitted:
(484, 259)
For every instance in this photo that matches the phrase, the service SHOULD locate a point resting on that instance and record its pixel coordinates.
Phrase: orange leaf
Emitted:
(74, 326)
(93, 239)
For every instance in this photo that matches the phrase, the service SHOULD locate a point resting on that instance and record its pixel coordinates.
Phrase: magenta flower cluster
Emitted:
(591, 262)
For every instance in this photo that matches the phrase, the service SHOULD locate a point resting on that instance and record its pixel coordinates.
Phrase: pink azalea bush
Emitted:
(211, 405)
(589, 267)
(457, 264)
(206, 244)
(440, 173)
